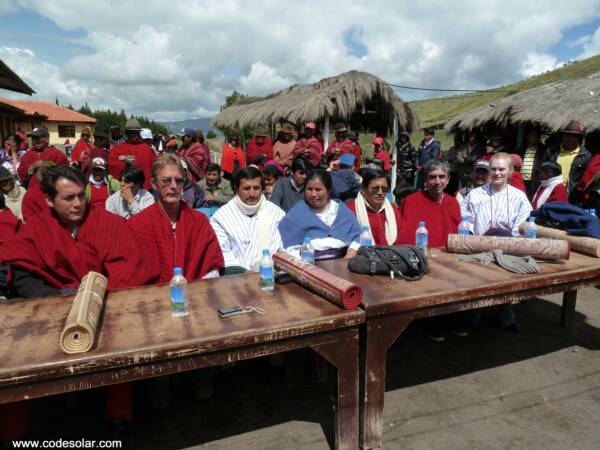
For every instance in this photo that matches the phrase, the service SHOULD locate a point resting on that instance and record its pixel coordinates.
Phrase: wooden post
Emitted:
(394, 152)
(326, 133)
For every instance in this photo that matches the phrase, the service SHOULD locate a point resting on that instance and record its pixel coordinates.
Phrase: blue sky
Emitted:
(180, 59)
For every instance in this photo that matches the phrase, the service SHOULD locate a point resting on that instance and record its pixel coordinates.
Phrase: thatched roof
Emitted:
(552, 106)
(359, 98)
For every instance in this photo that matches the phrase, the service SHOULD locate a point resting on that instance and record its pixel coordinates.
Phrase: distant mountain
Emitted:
(176, 126)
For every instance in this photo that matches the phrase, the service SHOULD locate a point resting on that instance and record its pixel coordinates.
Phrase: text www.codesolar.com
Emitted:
(64, 443)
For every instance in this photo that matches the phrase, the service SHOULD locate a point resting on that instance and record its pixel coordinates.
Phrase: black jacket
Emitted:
(579, 165)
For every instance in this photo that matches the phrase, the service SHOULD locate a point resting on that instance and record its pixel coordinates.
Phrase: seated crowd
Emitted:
(134, 209)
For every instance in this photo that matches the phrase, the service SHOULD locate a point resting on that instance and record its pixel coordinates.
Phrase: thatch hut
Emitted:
(360, 99)
(551, 106)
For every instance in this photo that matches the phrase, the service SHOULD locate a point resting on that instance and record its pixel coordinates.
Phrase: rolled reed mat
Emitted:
(582, 244)
(549, 249)
(329, 286)
(80, 329)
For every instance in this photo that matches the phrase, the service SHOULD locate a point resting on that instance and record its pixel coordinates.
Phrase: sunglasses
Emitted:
(164, 182)
(375, 189)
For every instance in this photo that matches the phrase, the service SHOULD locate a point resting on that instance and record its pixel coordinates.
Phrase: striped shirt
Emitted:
(488, 208)
(238, 233)
(528, 160)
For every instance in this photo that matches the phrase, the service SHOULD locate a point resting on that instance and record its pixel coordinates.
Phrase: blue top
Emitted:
(301, 221)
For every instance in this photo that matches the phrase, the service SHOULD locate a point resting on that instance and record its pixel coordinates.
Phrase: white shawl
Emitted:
(260, 209)
(549, 186)
(391, 227)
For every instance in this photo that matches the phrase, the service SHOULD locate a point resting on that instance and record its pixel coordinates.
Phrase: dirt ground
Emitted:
(539, 389)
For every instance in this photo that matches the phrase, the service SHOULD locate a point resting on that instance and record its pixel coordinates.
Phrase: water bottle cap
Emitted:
(531, 219)
(177, 271)
(306, 240)
(266, 252)
(421, 223)
(366, 228)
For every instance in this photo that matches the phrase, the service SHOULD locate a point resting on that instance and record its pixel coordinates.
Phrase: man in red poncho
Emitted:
(260, 148)
(34, 200)
(309, 146)
(341, 144)
(194, 155)
(133, 152)
(82, 144)
(40, 151)
(57, 247)
(98, 150)
(173, 234)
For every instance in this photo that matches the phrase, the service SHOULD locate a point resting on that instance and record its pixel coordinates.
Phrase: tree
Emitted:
(211, 134)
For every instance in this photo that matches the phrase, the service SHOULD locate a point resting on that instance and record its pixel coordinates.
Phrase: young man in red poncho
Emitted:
(133, 152)
(83, 144)
(260, 148)
(58, 246)
(173, 234)
(39, 151)
(309, 147)
(194, 155)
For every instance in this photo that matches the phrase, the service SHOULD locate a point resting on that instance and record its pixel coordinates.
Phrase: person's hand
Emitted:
(209, 197)
(127, 194)
(268, 189)
(350, 253)
(36, 165)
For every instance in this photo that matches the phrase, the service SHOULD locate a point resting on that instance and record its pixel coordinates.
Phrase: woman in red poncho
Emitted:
(232, 158)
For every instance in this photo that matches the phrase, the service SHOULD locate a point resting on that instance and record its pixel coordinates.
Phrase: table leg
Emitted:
(344, 356)
(568, 309)
(381, 333)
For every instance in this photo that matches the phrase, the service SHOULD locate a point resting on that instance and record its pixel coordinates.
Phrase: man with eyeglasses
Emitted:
(174, 234)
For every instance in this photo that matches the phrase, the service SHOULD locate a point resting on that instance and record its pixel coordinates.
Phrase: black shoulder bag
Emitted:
(407, 261)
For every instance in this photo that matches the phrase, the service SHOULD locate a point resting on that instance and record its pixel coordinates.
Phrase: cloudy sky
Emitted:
(177, 59)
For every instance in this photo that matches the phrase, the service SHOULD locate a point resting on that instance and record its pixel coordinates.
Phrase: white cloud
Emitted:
(591, 46)
(181, 58)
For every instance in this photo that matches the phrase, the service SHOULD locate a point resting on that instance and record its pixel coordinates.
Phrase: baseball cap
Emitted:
(188, 132)
(146, 133)
(39, 131)
(98, 162)
(311, 125)
(481, 164)
(378, 141)
(347, 159)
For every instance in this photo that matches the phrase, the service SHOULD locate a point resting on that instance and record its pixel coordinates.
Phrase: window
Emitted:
(66, 131)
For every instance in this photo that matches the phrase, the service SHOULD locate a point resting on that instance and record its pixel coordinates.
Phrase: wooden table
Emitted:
(451, 286)
(140, 339)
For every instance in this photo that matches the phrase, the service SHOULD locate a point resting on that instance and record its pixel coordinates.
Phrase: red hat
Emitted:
(311, 125)
(517, 161)
(378, 141)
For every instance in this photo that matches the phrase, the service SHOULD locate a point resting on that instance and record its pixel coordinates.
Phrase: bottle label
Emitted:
(422, 239)
(177, 297)
(266, 275)
(463, 231)
(530, 234)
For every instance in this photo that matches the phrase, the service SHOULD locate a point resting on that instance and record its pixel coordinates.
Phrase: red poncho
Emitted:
(377, 223)
(229, 156)
(441, 219)
(9, 225)
(384, 157)
(31, 156)
(253, 150)
(80, 146)
(144, 158)
(589, 174)
(193, 245)
(34, 200)
(311, 149)
(196, 160)
(345, 146)
(516, 180)
(89, 154)
(105, 243)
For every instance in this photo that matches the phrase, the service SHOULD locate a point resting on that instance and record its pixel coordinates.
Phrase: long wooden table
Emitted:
(140, 339)
(451, 286)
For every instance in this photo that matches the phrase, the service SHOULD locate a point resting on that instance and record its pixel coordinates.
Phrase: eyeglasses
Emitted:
(164, 182)
(376, 189)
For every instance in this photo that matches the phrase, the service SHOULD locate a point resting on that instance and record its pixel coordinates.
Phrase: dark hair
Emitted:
(552, 167)
(2, 202)
(429, 131)
(133, 175)
(52, 175)
(247, 173)
(371, 174)
(271, 171)
(213, 167)
(15, 137)
(320, 174)
(403, 190)
(301, 164)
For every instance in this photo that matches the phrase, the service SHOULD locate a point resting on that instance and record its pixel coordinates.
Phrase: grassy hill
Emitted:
(439, 110)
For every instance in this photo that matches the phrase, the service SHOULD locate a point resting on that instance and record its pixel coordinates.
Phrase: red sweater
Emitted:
(253, 150)
(516, 180)
(441, 219)
(377, 223)
(559, 194)
(144, 158)
(80, 146)
(31, 156)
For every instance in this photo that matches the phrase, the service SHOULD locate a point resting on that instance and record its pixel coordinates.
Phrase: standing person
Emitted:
(12, 192)
(203, 145)
(40, 151)
(11, 154)
(356, 149)
(101, 185)
(194, 155)
(283, 149)
(132, 152)
(341, 144)
(82, 144)
(288, 191)
(479, 175)
(552, 188)
(260, 147)
(131, 198)
(173, 234)
(98, 150)
(148, 138)
(495, 144)
(116, 136)
(439, 210)
(159, 143)
(374, 210)
(381, 155)
(429, 150)
(217, 190)
(532, 153)
(309, 147)
(248, 223)
(466, 157)
(232, 157)
(406, 156)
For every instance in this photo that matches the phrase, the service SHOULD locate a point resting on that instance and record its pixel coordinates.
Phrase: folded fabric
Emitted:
(570, 218)
(515, 264)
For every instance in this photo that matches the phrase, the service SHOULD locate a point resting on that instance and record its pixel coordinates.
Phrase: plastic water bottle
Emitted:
(266, 271)
(422, 236)
(366, 240)
(465, 226)
(307, 253)
(179, 302)
(530, 231)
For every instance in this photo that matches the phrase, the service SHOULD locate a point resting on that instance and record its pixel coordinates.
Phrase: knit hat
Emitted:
(5, 174)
